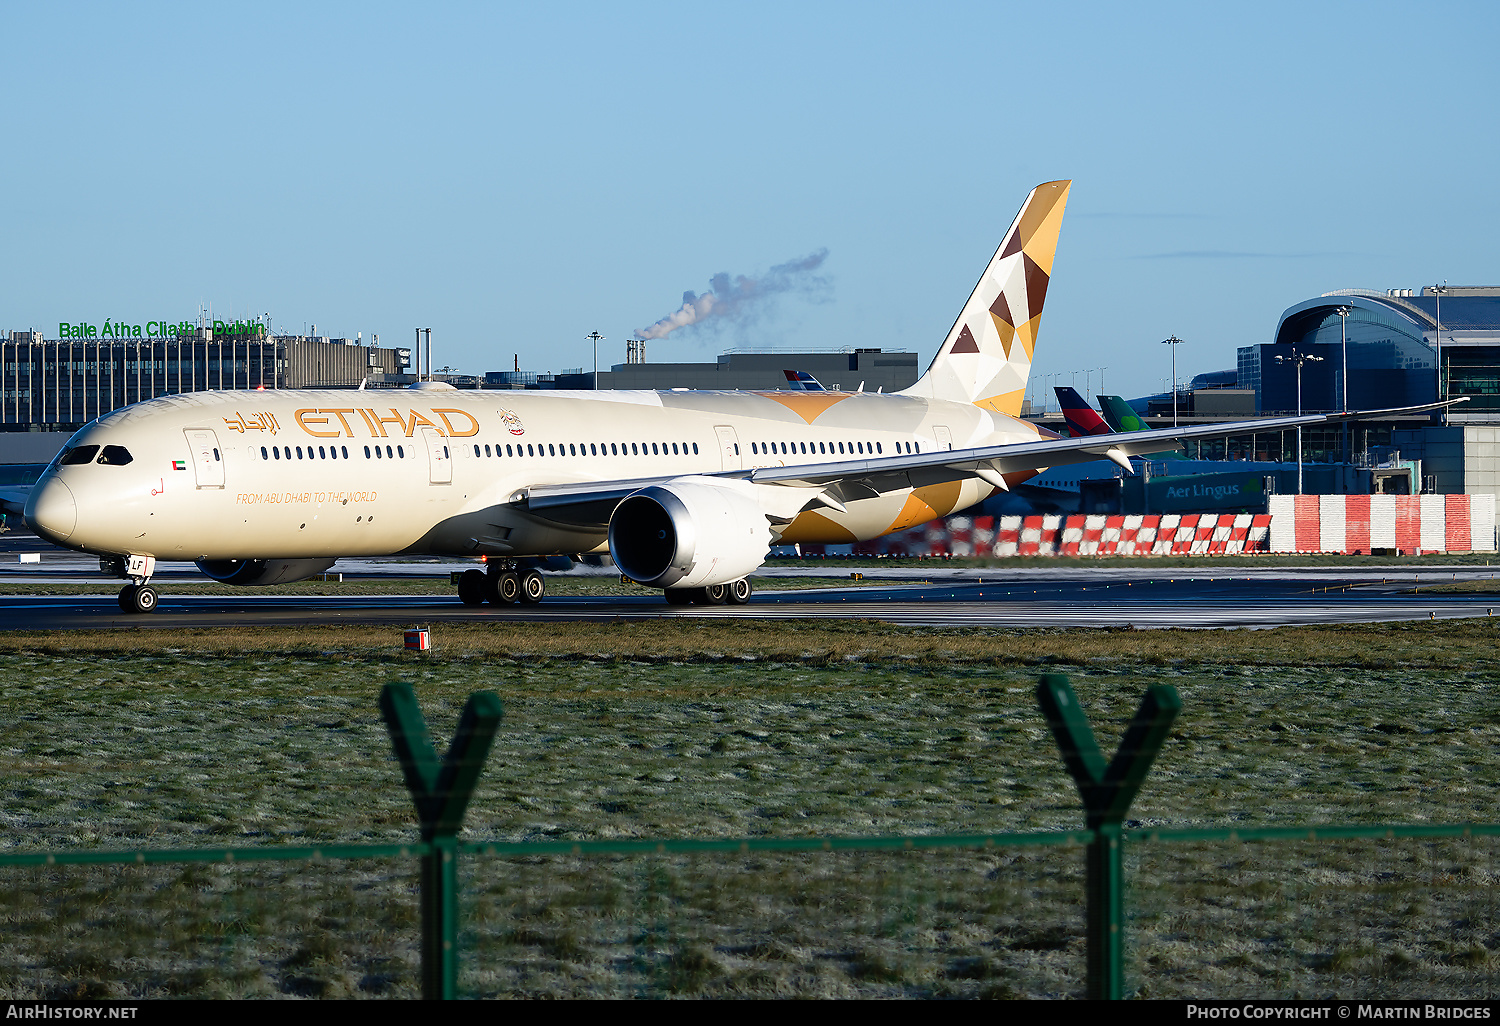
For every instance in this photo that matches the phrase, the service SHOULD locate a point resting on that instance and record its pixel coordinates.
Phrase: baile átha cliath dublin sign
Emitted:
(160, 329)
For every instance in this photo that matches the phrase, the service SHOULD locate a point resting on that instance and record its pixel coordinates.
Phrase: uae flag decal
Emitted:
(179, 465)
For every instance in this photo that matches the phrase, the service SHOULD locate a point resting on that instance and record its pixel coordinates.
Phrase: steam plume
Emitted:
(740, 298)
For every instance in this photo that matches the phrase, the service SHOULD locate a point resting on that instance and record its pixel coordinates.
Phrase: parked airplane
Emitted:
(685, 490)
(1057, 489)
(1121, 416)
(1079, 415)
(802, 381)
(1118, 416)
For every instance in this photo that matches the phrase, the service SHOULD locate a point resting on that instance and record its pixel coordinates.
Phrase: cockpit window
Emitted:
(79, 455)
(115, 455)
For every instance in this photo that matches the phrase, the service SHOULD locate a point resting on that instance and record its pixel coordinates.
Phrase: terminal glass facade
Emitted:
(1390, 362)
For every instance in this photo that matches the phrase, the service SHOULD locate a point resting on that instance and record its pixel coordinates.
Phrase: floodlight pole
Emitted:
(1174, 342)
(1343, 313)
(1437, 337)
(595, 338)
(1299, 359)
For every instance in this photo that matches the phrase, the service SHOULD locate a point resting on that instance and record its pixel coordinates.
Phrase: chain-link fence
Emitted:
(1357, 911)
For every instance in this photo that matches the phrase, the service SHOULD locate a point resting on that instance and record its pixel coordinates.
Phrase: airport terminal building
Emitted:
(1404, 347)
(1392, 358)
(49, 388)
(762, 370)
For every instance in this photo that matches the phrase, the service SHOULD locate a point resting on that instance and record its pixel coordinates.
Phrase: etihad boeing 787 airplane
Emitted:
(686, 490)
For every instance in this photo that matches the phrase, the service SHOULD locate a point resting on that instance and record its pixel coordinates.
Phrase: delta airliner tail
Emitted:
(1081, 418)
(986, 357)
(802, 381)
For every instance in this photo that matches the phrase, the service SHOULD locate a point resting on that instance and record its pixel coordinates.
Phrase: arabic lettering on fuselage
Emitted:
(254, 422)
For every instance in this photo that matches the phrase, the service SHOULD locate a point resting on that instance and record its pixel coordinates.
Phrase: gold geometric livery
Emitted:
(980, 362)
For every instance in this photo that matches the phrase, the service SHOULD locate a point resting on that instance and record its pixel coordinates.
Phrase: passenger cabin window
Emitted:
(79, 456)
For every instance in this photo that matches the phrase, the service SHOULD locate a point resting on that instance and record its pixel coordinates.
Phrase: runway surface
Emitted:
(934, 594)
(974, 599)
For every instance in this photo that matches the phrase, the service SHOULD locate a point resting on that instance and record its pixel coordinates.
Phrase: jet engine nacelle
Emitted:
(689, 533)
(261, 572)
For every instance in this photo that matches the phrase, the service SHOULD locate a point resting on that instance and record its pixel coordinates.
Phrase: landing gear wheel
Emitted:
(471, 587)
(739, 591)
(138, 598)
(715, 594)
(678, 596)
(502, 589)
(533, 587)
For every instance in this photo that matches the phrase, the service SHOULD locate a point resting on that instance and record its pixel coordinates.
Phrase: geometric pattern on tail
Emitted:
(980, 362)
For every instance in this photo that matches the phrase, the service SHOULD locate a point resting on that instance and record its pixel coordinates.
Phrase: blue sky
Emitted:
(518, 176)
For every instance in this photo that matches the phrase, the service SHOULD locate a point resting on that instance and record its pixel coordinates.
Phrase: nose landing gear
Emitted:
(138, 596)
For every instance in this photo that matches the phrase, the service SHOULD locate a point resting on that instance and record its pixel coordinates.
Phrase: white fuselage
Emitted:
(288, 474)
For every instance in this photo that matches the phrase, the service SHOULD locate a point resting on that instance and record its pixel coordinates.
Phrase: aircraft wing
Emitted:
(13, 498)
(590, 503)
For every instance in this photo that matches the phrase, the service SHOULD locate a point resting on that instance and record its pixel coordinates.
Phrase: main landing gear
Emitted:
(735, 593)
(501, 585)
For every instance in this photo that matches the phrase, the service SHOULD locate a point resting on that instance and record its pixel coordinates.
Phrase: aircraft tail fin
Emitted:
(802, 381)
(1081, 418)
(1120, 415)
(986, 357)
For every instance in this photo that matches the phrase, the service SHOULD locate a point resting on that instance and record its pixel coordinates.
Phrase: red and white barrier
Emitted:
(1208, 534)
(1361, 523)
(1295, 523)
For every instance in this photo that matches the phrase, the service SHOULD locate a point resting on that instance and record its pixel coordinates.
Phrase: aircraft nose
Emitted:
(51, 511)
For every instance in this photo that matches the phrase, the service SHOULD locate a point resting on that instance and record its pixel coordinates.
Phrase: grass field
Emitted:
(257, 736)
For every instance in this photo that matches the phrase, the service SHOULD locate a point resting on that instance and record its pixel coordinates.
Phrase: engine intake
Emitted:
(688, 534)
(257, 573)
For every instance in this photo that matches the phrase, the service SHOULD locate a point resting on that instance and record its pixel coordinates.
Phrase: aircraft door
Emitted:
(729, 447)
(439, 457)
(943, 436)
(208, 460)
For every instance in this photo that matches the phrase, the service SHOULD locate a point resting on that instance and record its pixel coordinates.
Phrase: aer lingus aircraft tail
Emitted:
(1121, 416)
(986, 357)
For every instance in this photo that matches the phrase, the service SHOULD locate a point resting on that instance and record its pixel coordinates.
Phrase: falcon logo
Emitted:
(511, 421)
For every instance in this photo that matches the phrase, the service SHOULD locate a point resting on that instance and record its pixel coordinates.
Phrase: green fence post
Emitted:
(1107, 792)
(441, 790)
